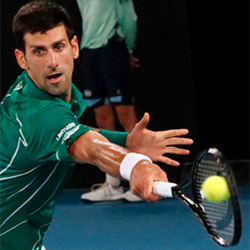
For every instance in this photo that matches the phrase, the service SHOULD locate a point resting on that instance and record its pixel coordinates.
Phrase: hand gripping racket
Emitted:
(221, 220)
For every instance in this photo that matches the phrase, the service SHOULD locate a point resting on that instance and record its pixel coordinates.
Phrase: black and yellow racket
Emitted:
(222, 220)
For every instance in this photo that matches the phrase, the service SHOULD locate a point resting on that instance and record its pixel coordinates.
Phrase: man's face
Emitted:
(49, 60)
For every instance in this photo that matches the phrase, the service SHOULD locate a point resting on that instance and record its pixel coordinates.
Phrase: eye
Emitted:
(38, 51)
(59, 46)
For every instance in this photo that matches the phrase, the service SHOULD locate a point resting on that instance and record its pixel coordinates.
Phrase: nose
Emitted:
(52, 63)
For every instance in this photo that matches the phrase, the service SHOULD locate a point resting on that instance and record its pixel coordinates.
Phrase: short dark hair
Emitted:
(40, 16)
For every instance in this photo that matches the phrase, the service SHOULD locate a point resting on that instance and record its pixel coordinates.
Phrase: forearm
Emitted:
(95, 149)
(115, 137)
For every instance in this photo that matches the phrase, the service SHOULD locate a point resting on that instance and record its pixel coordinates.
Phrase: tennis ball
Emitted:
(215, 189)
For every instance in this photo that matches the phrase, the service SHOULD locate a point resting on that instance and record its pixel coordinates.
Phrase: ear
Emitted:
(21, 60)
(75, 47)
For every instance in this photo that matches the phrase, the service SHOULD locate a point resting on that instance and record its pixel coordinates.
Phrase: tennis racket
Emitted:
(221, 220)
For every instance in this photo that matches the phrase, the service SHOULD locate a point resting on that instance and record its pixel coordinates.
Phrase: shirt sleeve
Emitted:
(80, 4)
(54, 134)
(127, 20)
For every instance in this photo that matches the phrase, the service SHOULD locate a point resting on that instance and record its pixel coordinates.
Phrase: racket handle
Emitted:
(164, 189)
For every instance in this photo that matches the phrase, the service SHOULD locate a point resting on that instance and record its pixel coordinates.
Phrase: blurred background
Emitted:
(194, 74)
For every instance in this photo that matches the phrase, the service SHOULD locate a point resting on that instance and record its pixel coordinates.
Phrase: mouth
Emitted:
(55, 78)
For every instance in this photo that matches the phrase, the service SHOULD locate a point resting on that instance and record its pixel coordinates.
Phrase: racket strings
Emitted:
(219, 216)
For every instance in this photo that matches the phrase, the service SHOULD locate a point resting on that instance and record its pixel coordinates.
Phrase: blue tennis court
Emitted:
(168, 224)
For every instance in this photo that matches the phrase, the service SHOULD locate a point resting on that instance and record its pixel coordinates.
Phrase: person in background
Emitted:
(108, 40)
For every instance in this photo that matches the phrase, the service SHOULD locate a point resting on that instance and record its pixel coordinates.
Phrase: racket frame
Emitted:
(168, 189)
(225, 168)
(200, 214)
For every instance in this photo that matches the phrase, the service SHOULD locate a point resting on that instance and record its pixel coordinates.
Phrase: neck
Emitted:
(66, 97)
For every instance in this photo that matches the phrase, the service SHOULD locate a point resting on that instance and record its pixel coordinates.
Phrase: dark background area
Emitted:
(194, 72)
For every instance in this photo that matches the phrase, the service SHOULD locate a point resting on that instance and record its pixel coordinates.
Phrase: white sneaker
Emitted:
(103, 192)
(131, 197)
(43, 248)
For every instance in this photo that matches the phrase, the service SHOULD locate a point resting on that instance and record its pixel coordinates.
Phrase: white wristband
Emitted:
(128, 163)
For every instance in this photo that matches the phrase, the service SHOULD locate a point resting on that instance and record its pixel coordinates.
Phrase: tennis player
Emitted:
(41, 138)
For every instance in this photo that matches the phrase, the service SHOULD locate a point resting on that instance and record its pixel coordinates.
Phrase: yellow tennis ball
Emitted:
(215, 189)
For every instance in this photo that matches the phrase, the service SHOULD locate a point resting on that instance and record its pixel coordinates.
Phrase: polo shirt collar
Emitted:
(31, 88)
(77, 103)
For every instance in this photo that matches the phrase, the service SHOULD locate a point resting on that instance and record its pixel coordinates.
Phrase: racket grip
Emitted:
(164, 189)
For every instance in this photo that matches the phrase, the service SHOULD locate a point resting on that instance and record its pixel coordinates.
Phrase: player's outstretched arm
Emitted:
(157, 144)
(95, 149)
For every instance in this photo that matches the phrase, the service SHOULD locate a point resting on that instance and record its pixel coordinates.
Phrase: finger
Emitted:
(142, 124)
(175, 132)
(134, 65)
(153, 197)
(133, 58)
(176, 151)
(149, 195)
(168, 161)
(178, 141)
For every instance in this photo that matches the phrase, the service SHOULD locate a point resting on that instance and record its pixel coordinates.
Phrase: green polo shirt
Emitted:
(36, 130)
